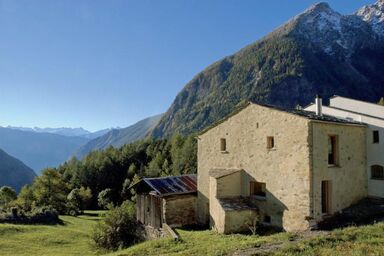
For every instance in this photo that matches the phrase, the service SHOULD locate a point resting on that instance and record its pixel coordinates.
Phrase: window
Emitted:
(267, 219)
(333, 144)
(377, 172)
(257, 189)
(270, 142)
(376, 136)
(223, 144)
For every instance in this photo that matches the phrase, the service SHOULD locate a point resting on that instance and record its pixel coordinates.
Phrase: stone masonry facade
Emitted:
(292, 170)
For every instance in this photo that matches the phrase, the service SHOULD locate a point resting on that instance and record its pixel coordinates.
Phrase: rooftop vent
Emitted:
(319, 105)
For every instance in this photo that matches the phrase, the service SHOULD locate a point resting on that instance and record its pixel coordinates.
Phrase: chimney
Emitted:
(319, 105)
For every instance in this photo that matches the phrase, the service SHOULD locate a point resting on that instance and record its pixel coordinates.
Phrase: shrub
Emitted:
(77, 200)
(119, 228)
(38, 215)
(104, 199)
(7, 195)
(253, 223)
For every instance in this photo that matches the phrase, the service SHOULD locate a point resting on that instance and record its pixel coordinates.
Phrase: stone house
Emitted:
(166, 200)
(291, 168)
(373, 115)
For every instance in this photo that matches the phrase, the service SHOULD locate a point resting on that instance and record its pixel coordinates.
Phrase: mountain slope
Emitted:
(119, 137)
(317, 52)
(13, 172)
(39, 150)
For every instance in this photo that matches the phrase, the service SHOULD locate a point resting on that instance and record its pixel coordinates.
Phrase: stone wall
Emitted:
(217, 214)
(179, 210)
(229, 186)
(284, 169)
(239, 221)
(349, 177)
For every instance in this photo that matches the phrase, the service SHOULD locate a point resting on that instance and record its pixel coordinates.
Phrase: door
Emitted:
(326, 196)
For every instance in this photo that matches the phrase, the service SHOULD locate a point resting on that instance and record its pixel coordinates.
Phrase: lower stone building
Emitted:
(290, 168)
(166, 200)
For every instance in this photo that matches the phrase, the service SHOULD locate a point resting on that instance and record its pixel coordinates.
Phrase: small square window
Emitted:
(257, 189)
(267, 219)
(376, 136)
(377, 172)
(223, 145)
(270, 142)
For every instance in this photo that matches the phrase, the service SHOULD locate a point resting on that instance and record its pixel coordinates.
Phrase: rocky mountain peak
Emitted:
(332, 32)
(373, 15)
(319, 7)
(322, 16)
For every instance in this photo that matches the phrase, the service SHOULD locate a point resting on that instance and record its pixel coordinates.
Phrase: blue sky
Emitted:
(98, 64)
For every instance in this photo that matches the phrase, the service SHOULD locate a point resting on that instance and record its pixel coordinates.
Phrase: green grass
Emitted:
(73, 238)
(200, 243)
(367, 240)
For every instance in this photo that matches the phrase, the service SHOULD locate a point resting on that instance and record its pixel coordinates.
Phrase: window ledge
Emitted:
(224, 152)
(334, 166)
(271, 149)
(260, 198)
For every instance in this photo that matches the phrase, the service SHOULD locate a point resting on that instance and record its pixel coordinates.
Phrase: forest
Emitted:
(102, 179)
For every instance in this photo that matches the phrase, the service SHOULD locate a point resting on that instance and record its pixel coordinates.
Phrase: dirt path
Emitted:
(268, 248)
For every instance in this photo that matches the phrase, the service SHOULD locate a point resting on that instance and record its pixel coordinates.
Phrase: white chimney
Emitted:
(319, 105)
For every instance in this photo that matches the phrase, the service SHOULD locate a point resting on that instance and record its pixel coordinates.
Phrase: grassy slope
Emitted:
(72, 238)
(367, 240)
(197, 243)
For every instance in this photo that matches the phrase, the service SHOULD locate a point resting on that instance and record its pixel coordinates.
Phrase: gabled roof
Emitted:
(172, 185)
(303, 113)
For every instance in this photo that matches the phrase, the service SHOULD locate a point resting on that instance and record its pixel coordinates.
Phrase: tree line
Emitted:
(104, 178)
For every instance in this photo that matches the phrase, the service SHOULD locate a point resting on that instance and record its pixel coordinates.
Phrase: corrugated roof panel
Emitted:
(174, 184)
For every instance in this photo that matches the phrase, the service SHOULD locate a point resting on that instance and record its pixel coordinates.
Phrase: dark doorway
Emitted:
(326, 196)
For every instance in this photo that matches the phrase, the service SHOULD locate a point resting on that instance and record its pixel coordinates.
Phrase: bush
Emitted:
(119, 228)
(104, 199)
(77, 201)
(38, 215)
(7, 195)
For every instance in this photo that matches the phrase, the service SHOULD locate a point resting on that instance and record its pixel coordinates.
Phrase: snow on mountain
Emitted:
(330, 31)
(374, 15)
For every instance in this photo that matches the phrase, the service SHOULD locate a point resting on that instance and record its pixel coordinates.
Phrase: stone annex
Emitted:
(289, 168)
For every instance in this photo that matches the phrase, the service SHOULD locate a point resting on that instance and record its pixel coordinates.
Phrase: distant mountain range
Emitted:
(39, 150)
(119, 137)
(72, 132)
(319, 51)
(13, 172)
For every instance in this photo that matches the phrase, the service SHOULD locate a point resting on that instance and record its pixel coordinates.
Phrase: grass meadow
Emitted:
(74, 238)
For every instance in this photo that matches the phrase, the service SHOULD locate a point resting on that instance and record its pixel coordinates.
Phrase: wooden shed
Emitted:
(170, 200)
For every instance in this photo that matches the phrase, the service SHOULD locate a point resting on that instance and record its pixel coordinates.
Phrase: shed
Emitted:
(170, 200)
